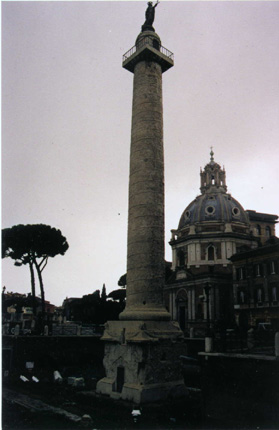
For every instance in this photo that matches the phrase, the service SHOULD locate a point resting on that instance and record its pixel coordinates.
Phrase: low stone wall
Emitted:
(194, 345)
(240, 388)
(70, 355)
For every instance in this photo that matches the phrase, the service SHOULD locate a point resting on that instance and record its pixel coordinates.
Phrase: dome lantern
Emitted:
(213, 177)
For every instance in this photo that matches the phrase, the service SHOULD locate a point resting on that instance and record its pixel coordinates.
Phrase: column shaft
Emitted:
(145, 259)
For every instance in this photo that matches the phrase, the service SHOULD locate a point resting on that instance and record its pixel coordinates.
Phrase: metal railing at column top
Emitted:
(151, 42)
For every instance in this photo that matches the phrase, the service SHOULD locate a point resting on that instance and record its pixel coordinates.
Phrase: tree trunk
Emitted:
(41, 289)
(33, 291)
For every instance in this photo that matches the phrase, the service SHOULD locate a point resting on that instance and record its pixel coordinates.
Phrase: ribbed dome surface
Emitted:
(217, 206)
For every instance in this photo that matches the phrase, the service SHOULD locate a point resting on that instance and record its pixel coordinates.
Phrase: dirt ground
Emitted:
(104, 413)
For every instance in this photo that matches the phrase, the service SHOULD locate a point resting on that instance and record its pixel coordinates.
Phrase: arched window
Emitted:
(258, 230)
(211, 253)
(120, 378)
(267, 231)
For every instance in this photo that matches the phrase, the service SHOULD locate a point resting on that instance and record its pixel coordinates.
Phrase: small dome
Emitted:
(213, 207)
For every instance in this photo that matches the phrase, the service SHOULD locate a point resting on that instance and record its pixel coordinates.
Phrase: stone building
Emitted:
(212, 228)
(262, 225)
(19, 309)
(256, 285)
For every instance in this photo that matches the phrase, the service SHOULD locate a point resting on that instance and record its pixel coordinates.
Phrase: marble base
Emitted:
(142, 361)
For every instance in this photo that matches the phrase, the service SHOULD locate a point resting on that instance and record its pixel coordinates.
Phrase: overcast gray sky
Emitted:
(66, 119)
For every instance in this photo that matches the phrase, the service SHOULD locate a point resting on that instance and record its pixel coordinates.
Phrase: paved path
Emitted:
(37, 405)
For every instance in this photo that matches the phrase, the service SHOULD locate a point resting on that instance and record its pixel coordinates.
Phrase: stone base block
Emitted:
(140, 394)
(126, 332)
(142, 361)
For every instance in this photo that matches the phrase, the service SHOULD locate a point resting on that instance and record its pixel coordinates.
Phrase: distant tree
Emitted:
(119, 294)
(113, 309)
(3, 299)
(32, 245)
(123, 281)
(95, 296)
(93, 308)
(104, 293)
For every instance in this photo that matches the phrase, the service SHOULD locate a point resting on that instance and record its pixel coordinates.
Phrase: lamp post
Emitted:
(207, 289)
(208, 336)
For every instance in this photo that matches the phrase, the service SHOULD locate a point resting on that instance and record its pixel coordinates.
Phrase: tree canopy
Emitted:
(122, 282)
(119, 294)
(25, 242)
(33, 244)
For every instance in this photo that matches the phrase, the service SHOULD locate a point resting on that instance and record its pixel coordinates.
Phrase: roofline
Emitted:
(266, 249)
(260, 216)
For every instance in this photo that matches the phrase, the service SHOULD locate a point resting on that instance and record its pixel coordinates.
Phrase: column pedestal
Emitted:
(142, 361)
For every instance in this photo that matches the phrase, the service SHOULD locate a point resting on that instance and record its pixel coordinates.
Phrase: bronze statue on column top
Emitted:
(149, 16)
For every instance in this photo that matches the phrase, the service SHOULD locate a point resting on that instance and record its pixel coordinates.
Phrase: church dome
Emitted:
(214, 204)
(220, 207)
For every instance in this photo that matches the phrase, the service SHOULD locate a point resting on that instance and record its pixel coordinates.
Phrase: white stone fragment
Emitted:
(23, 378)
(136, 412)
(57, 376)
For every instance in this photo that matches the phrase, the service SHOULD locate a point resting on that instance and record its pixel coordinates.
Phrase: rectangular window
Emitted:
(260, 295)
(258, 270)
(274, 294)
(241, 297)
(240, 273)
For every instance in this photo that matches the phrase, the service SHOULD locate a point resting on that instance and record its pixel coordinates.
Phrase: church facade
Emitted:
(212, 228)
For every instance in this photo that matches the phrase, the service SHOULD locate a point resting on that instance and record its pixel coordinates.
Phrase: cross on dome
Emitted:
(211, 154)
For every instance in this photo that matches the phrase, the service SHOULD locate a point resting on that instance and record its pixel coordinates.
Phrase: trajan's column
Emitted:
(142, 349)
